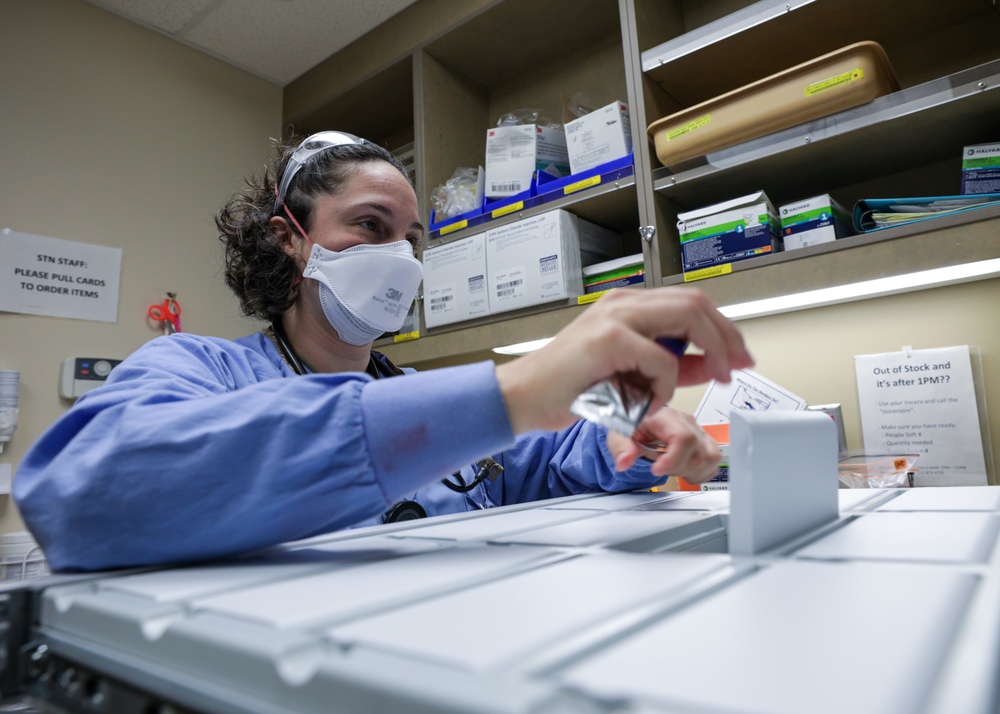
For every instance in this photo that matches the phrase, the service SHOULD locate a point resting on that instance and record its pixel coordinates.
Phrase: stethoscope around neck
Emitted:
(486, 469)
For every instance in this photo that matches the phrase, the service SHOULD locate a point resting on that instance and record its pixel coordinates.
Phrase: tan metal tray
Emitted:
(840, 80)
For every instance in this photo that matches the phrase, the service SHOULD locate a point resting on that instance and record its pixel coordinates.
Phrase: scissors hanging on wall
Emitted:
(168, 312)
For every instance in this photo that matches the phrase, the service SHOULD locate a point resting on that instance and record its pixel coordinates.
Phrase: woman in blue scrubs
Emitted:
(199, 447)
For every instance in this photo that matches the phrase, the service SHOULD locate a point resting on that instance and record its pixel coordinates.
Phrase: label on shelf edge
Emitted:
(711, 272)
(580, 185)
(405, 337)
(454, 227)
(504, 210)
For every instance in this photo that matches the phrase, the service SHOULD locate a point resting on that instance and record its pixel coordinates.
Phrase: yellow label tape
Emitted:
(689, 127)
(580, 185)
(512, 208)
(853, 76)
(405, 337)
(454, 227)
(591, 297)
(724, 269)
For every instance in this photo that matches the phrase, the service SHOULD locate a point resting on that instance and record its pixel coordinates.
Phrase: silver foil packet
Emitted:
(621, 402)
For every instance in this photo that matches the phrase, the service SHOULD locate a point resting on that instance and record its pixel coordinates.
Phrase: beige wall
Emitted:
(811, 352)
(117, 136)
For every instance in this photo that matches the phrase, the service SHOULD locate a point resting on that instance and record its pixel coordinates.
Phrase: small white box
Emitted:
(534, 261)
(455, 281)
(812, 221)
(514, 153)
(981, 169)
(599, 137)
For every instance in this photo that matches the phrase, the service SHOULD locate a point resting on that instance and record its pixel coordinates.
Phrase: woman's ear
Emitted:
(282, 233)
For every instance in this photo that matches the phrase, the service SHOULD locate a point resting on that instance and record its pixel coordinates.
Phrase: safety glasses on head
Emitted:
(307, 149)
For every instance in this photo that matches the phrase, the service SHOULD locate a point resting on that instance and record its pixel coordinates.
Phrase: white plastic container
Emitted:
(22, 558)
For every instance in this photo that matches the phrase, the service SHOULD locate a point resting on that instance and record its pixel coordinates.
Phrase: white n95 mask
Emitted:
(365, 290)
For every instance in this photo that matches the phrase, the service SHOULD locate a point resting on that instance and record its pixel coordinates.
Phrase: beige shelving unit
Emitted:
(440, 73)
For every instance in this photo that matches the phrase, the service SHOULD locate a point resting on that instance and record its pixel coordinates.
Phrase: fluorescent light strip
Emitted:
(869, 288)
(523, 347)
(937, 277)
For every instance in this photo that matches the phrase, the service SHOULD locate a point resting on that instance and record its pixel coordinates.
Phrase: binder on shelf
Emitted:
(875, 214)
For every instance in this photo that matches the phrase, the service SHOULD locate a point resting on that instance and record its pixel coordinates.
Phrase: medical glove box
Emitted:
(726, 232)
(981, 169)
(813, 221)
(534, 261)
(599, 137)
(455, 281)
(514, 153)
(618, 273)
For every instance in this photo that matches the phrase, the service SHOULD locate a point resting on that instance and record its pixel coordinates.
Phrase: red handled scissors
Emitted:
(169, 313)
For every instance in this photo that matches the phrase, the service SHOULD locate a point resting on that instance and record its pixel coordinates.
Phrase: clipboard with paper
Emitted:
(873, 214)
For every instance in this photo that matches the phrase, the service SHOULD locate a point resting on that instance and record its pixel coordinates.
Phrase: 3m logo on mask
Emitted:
(393, 294)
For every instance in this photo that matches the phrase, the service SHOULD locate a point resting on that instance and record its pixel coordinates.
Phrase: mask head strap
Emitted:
(311, 146)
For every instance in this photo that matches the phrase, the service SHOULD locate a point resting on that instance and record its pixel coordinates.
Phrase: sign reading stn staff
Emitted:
(58, 278)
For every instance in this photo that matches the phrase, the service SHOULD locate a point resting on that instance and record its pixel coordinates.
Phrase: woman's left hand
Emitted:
(690, 452)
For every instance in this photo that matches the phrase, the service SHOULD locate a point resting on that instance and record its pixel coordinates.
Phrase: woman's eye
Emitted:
(370, 225)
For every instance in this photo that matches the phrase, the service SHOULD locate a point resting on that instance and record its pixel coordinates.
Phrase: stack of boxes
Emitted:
(516, 265)
(541, 258)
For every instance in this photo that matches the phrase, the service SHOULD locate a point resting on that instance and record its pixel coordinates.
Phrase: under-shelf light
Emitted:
(923, 279)
(523, 347)
(909, 282)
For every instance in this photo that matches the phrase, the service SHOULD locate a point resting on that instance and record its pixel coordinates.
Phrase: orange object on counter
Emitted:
(719, 432)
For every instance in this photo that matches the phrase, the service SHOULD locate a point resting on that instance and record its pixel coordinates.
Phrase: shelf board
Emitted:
(766, 37)
(519, 37)
(481, 335)
(902, 130)
(611, 205)
(375, 108)
(950, 240)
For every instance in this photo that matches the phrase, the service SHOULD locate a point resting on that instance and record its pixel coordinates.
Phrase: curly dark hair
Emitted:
(257, 268)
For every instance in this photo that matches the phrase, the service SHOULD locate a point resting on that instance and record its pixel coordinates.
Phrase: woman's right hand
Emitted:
(616, 335)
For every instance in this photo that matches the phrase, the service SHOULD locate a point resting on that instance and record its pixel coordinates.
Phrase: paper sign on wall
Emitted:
(746, 390)
(58, 278)
(924, 402)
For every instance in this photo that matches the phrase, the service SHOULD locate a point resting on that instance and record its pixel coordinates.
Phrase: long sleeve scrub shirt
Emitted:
(197, 448)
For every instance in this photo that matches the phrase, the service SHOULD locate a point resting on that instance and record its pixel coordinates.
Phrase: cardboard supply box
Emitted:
(514, 153)
(812, 221)
(534, 261)
(981, 169)
(618, 273)
(455, 281)
(726, 232)
(599, 137)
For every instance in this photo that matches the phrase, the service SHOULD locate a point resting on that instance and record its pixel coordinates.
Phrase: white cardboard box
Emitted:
(599, 137)
(455, 281)
(811, 221)
(534, 261)
(514, 153)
